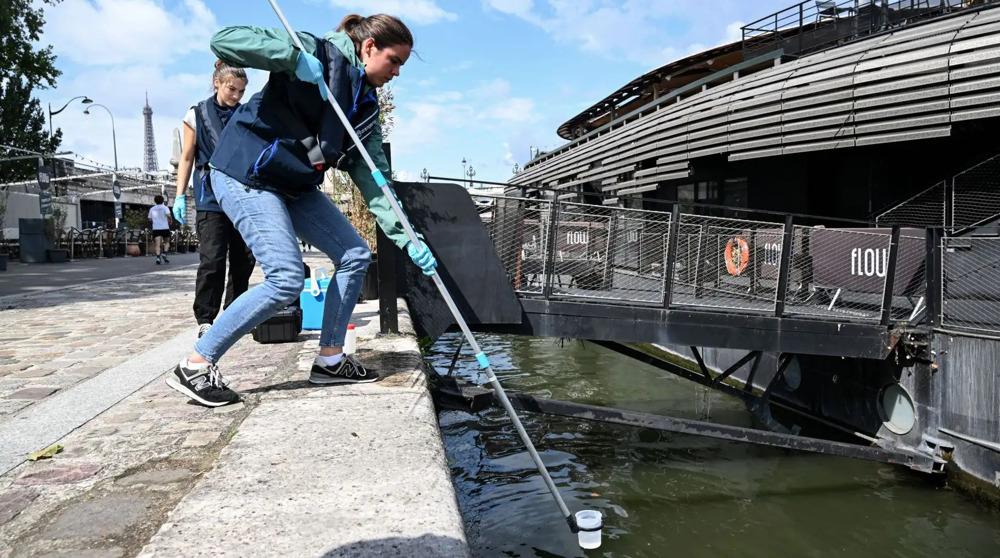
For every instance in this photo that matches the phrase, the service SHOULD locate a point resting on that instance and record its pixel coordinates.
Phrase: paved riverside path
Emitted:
(294, 470)
(22, 278)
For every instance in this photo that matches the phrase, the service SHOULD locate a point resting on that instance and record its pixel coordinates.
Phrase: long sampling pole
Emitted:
(480, 355)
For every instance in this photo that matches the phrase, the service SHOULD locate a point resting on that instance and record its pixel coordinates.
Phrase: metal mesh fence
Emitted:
(719, 263)
(910, 278)
(574, 251)
(926, 209)
(976, 195)
(970, 288)
(844, 269)
(595, 252)
(609, 253)
(518, 228)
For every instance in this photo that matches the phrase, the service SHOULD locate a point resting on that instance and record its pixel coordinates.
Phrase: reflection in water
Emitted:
(665, 494)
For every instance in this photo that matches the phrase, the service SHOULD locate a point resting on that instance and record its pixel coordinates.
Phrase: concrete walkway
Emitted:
(294, 470)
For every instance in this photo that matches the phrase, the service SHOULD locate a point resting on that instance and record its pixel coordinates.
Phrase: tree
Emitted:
(24, 66)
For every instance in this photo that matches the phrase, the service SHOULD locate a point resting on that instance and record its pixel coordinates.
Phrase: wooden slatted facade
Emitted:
(916, 83)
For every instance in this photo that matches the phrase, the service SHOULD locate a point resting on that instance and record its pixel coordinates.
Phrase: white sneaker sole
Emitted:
(194, 396)
(338, 381)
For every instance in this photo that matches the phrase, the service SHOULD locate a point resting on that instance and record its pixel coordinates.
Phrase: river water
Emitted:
(664, 494)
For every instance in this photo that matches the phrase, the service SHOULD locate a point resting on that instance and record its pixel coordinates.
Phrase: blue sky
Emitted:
(493, 77)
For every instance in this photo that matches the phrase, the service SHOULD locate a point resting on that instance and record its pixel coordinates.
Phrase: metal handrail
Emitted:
(813, 25)
(877, 301)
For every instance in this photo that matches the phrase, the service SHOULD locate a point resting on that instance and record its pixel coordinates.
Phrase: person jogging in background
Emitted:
(217, 237)
(159, 217)
(265, 172)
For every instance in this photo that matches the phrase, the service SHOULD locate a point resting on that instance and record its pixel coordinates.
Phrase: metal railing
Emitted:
(814, 25)
(970, 288)
(702, 258)
(968, 200)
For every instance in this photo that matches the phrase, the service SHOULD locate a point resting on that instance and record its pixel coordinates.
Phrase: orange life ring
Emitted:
(737, 256)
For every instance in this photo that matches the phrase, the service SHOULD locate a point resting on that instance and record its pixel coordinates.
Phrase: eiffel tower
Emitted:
(149, 164)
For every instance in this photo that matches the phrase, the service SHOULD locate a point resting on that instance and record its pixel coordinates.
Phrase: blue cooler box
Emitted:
(312, 299)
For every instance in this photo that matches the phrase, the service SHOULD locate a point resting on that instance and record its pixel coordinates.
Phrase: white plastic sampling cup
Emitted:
(350, 340)
(589, 524)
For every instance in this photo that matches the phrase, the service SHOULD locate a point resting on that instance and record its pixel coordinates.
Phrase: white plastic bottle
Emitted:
(351, 341)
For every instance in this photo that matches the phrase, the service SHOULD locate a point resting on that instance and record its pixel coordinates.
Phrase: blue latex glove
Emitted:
(309, 68)
(422, 257)
(180, 209)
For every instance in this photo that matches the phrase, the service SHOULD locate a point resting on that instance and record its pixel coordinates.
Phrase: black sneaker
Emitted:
(203, 329)
(347, 371)
(166, 259)
(157, 260)
(204, 385)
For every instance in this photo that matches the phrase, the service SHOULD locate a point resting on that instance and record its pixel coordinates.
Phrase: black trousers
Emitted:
(217, 236)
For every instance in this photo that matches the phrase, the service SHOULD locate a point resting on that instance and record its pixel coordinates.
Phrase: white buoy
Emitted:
(589, 524)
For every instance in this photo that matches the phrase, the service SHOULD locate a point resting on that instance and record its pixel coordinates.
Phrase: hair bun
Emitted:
(218, 63)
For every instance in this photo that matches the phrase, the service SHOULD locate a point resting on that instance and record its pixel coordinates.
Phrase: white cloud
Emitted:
(417, 12)
(444, 97)
(508, 157)
(513, 110)
(107, 32)
(405, 176)
(734, 32)
(520, 8)
(647, 32)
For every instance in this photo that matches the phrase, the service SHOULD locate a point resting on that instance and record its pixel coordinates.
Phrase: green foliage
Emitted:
(135, 219)
(21, 58)
(55, 224)
(4, 195)
(22, 125)
(24, 65)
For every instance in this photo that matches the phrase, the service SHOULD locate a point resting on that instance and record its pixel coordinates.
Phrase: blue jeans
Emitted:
(269, 224)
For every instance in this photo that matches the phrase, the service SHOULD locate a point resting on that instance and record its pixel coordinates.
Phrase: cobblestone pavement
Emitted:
(51, 341)
(121, 474)
(111, 487)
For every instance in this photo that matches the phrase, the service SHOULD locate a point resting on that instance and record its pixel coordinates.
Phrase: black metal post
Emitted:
(388, 313)
(949, 206)
(786, 258)
(549, 261)
(934, 276)
(890, 275)
(802, 30)
(668, 265)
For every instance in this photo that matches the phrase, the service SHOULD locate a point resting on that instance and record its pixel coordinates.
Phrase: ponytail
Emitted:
(386, 30)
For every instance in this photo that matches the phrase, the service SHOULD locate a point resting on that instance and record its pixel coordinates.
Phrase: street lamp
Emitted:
(425, 175)
(463, 167)
(86, 100)
(114, 142)
(517, 169)
(472, 172)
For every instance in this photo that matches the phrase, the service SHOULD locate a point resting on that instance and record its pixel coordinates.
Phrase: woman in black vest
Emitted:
(217, 236)
(265, 172)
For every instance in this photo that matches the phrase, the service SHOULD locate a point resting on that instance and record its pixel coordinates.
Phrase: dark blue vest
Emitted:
(210, 125)
(263, 145)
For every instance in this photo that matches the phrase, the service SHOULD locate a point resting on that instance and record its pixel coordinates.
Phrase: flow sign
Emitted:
(45, 204)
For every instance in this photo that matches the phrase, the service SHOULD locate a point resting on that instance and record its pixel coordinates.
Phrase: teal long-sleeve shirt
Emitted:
(270, 49)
